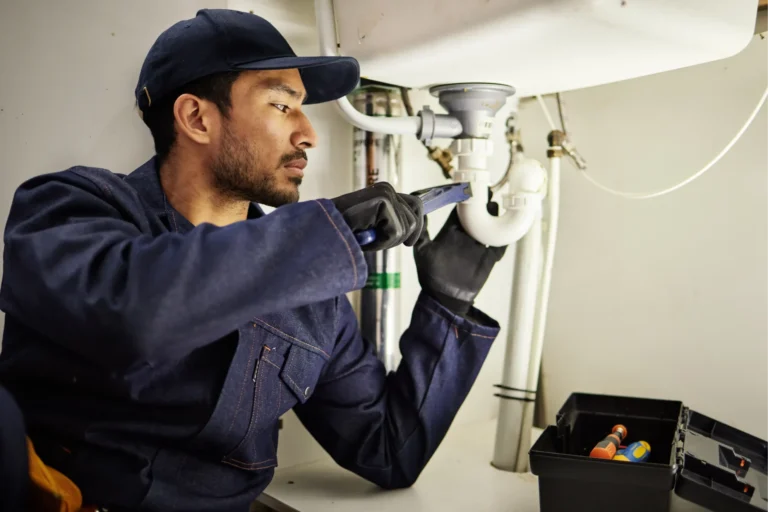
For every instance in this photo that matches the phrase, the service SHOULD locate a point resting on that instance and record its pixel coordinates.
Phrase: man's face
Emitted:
(259, 155)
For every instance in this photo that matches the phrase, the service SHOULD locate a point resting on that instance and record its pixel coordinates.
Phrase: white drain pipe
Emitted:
(326, 30)
(527, 182)
(528, 315)
(521, 224)
(552, 208)
(518, 350)
(439, 126)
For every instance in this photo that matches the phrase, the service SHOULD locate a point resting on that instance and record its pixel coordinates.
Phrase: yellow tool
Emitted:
(639, 451)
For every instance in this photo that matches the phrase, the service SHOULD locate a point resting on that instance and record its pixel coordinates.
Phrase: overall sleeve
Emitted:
(385, 427)
(79, 272)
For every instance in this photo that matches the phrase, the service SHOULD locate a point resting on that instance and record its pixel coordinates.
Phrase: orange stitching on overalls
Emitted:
(298, 388)
(349, 250)
(294, 339)
(430, 309)
(254, 412)
(254, 415)
(251, 463)
(255, 465)
(270, 362)
(242, 390)
(477, 335)
(279, 401)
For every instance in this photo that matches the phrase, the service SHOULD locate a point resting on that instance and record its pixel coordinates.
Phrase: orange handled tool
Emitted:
(606, 448)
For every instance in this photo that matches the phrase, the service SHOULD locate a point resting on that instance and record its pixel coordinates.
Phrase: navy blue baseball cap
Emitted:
(220, 40)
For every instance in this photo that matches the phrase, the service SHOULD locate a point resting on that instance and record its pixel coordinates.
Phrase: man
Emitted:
(158, 324)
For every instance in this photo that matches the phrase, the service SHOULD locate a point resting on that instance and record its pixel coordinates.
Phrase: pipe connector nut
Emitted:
(437, 126)
(520, 200)
(479, 147)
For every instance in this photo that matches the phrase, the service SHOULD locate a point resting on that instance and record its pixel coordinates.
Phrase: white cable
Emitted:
(546, 112)
(649, 195)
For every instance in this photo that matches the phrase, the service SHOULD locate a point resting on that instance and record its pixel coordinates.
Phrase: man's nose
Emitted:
(304, 136)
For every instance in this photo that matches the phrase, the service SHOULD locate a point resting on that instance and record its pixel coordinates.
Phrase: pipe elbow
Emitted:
(391, 125)
(498, 231)
(527, 180)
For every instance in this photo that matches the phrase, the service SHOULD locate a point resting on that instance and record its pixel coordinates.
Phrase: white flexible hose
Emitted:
(650, 195)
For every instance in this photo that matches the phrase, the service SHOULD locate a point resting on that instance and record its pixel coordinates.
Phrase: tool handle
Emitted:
(365, 237)
(639, 451)
(432, 198)
(435, 198)
(607, 448)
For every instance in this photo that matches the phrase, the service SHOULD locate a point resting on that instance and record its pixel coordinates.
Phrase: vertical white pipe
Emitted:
(376, 159)
(389, 263)
(518, 351)
(552, 206)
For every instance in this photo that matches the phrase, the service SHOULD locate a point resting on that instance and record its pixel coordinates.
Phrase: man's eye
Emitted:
(281, 108)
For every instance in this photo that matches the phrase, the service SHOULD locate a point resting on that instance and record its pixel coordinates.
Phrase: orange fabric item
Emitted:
(50, 490)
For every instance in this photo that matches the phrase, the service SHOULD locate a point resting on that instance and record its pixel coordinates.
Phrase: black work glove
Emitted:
(397, 218)
(454, 267)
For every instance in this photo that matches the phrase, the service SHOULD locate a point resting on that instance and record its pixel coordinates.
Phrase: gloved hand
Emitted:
(397, 218)
(454, 267)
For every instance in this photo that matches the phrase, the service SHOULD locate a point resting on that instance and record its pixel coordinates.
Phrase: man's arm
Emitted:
(385, 427)
(82, 275)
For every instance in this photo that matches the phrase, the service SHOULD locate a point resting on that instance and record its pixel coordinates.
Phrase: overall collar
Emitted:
(146, 181)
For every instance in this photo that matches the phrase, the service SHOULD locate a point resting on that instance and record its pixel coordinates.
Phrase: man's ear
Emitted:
(195, 118)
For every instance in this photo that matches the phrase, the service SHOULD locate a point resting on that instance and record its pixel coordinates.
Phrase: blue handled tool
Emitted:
(432, 198)
(639, 451)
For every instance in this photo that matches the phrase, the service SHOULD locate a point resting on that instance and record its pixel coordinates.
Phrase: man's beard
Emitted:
(238, 175)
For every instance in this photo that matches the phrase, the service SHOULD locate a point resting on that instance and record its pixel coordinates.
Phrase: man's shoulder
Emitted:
(96, 174)
(79, 181)
(78, 190)
(89, 178)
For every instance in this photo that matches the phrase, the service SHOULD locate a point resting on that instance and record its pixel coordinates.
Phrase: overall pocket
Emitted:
(270, 372)
(300, 375)
(284, 374)
(258, 447)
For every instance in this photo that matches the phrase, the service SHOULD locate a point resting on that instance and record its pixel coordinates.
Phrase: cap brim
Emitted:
(325, 78)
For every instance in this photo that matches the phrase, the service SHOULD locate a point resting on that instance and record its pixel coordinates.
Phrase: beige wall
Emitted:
(665, 297)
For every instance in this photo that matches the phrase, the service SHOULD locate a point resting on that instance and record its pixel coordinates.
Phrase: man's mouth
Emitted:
(296, 167)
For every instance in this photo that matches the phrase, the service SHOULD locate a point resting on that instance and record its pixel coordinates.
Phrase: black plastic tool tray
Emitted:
(704, 461)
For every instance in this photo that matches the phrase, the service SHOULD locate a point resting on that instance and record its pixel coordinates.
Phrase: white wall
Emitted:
(665, 297)
(67, 74)
(67, 80)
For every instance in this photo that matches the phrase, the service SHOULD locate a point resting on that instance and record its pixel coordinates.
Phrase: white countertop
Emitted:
(459, 477)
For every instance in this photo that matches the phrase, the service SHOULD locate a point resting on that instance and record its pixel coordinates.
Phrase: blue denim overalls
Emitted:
(152, 358)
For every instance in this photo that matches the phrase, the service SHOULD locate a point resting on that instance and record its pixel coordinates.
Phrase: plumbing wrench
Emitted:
(432, 198)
